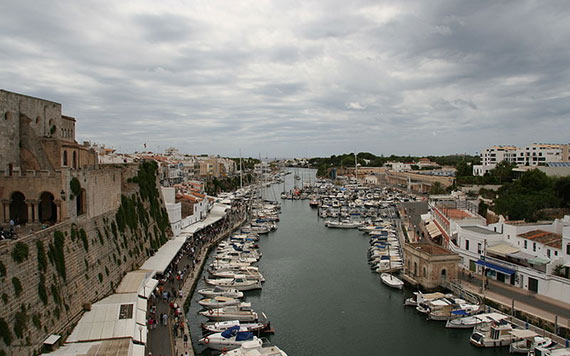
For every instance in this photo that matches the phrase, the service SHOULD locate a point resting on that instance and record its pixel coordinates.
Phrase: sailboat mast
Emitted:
(240, 172)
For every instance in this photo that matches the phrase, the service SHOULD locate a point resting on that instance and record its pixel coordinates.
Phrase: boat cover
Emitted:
(230, 332)
(244, 335)
(459, 312)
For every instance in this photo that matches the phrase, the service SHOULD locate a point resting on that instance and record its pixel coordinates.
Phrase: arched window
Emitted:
(425, 272)
(80, 202)
(65, 158)
(444, 274)
(415, 268)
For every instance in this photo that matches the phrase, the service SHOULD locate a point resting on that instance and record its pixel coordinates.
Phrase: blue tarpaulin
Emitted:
(459, 312)
(495, 267)
(230, 332)
(244, 335)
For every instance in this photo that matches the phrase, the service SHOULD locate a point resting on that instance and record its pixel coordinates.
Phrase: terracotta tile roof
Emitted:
(544, 237)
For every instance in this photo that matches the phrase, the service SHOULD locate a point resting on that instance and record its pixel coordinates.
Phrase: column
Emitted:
(30, 207)
(58, 207)
(6, 210)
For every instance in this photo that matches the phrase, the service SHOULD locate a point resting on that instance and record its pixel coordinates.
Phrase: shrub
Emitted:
(17, 286)
(21, 322)
(2, 270)
(42, 258)
(5, 298)
(56, 253)
(75, 186)
(83, 235)
(100, 275)
(42, 292)
(55, 294)
(37, 321)
(20, 252)
(5, 332)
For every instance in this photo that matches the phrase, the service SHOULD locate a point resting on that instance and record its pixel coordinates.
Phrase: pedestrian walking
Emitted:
(185, 340)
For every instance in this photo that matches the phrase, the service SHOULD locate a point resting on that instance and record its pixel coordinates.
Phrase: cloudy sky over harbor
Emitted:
(296, 78)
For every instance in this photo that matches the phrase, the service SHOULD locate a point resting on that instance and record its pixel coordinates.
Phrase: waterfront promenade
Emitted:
(167, 339)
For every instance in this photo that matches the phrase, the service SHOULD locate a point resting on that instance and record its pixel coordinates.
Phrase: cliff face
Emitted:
(47, 278)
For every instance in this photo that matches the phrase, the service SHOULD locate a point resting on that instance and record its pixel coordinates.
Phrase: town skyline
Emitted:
(293, 79)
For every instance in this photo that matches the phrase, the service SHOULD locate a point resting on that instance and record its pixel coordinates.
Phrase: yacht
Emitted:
(218, 302)
(241, 312)
(229, 339)
(256, 348)
(239, 282)
(222, 292)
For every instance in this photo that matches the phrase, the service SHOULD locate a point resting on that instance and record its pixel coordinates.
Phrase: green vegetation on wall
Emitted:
(2, 270)
(17, 286)
(42, 292)
(21, 322)
(5, 332)
(83, 235)
(42, 258)
(56, 254)
(20, 252)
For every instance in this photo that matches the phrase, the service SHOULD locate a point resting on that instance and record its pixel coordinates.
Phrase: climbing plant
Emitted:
(75, 186)
(42, 258)
(42, 292)
(83, 235)
(5, 332)
(20, 252)
(21, 322)
(55, 294)
(2, 270)
(56, 253)
(17, 286)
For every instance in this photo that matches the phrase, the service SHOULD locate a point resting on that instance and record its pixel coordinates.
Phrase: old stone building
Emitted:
(80, 228)
(429, 265)
(39, 158)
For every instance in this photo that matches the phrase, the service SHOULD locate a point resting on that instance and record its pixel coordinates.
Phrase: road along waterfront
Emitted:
(322, 298)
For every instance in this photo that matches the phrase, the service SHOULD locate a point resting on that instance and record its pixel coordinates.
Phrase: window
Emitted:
(467, 246)
(548, 253)
(534, 246)
(126, 311)
(568, 249)
(525, 244)
(64, 158)
(479, 248)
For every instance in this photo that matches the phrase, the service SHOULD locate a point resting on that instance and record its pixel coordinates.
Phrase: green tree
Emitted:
(437, 188)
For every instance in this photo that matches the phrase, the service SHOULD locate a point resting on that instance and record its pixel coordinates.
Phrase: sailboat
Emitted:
(389, 280)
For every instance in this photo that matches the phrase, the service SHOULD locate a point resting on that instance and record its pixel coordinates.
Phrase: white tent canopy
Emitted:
(162, 258)
(216, 214)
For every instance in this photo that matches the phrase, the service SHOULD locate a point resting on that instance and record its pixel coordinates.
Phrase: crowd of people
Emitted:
(168, 296)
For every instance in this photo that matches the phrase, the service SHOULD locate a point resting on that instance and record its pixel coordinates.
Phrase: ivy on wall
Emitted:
(20, 252)
(17, 286)
(42, 292)
(42, 258)
(83, 235)
(56, 254)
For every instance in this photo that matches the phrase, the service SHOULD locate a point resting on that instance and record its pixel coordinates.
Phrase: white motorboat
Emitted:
(218, 302)
(219, 326)
(342, 224)
(391, 281)
(239, 282)
(454, 311)
(496, 335)
(525, 340)
(222, 292)
(241, 312)
(229, 339)
(421, 297)
(230, 273)
(256, 348)
(549, 351)
(470, 322)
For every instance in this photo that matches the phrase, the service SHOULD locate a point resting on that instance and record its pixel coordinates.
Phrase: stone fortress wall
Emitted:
(49, 277)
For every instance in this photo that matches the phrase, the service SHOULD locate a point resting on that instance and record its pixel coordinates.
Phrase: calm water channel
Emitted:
(322, 298)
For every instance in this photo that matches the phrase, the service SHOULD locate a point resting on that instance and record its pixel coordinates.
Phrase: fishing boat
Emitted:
(222, 292)
(525, 340)
(549, 351)
(219, 326)
(239, 282)
(241, 312)
(229, 339)
(496, 335)
(256, 348)
(420, 297)
(469, 322)
(218, 302)
(391, 281)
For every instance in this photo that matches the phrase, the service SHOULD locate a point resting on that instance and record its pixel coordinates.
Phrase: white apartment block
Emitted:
(537, 154)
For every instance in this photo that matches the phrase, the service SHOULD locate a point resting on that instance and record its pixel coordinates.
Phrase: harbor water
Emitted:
(322, 298)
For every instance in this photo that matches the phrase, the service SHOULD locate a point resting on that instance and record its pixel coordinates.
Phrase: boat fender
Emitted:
(206, 341)
(211, 311)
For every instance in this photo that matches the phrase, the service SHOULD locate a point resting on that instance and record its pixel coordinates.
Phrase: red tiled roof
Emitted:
(544, 237)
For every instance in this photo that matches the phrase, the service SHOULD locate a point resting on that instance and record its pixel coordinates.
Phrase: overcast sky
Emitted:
(296, 78)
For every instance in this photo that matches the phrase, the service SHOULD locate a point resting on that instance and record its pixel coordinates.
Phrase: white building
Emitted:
(537, 154)
(400, 166)
(522, 255)
(173, 209)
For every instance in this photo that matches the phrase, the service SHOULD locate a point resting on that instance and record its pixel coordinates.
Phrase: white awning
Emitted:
(217, 212)
(162, 258)
(148, 287)
(52, 339)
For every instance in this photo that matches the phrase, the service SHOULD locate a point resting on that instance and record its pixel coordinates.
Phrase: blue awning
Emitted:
(495, 267)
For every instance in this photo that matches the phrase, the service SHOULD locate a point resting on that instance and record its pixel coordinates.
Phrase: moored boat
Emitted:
(391, 281)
